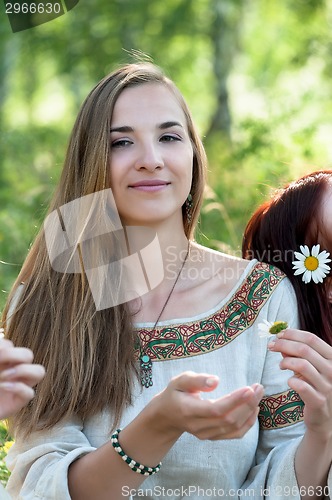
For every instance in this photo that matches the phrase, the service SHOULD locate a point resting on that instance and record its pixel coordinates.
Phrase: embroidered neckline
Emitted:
(212, 330)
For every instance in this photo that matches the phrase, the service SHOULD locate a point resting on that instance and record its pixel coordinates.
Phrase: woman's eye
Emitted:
(120, 143)
(170, 138)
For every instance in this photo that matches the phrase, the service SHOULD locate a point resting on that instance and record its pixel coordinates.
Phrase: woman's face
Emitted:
(326, 230)
(151, 156)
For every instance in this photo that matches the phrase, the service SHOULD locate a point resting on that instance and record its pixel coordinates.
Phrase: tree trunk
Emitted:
(223, 34)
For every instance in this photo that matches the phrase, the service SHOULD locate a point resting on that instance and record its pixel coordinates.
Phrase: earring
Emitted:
(189, 206)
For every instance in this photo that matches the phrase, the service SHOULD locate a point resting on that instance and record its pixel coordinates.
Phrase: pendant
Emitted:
(146, 371)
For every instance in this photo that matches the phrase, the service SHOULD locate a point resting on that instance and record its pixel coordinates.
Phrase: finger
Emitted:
(245, 395)
(309, 395)
(194, 382)
(24, 392)
(15, 355)
(241, 412)
(247, 424)
(245, 399)
(5, 343)
(302, 368)
(27, 373)
(309, 339)
(297, 349)
(221, 418)
(227, 429)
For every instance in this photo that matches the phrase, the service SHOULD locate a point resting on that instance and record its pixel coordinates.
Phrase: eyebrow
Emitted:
(162, 126)
(122, 129)
(169, 125)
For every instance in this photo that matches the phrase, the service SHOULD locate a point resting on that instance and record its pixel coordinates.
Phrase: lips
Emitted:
(149, 186)
(149, 182)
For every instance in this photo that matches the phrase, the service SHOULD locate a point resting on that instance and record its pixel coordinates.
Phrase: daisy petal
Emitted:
(298, 265)
(307, 276)
(316, 278)
(300, 256)
(261, 326)
(305, 250)
(321, 274)
(315, 250)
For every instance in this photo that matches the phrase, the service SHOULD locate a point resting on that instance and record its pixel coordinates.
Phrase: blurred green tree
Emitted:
(258, 84)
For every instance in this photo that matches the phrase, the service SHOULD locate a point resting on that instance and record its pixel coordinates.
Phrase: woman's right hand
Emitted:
(148, 438)
(180, 407)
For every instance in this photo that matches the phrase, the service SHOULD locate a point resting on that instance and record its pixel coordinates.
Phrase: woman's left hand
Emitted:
(18, 376)
(310, 358)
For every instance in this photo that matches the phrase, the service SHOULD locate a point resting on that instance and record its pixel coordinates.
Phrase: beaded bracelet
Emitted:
(135, 466)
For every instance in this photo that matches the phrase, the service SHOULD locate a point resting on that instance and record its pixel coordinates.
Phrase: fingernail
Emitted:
(281, 334)
(271, 344)
(211, 381)
(258, 388)
(247, 392)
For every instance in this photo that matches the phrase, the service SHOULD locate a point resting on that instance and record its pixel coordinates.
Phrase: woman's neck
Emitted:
(162, 259)
(169, 243)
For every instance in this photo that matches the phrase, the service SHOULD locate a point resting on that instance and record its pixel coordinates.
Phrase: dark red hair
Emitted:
(278, 228)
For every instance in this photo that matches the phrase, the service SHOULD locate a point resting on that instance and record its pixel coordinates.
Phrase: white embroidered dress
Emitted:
(223, 341)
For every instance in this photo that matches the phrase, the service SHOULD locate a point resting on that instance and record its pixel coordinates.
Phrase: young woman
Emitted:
(148, 365)
(297, 215)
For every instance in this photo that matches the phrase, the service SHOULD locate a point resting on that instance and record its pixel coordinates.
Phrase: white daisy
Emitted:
(312, 265)
(267, 328)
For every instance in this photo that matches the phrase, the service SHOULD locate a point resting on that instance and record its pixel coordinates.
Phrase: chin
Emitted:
(153, 221)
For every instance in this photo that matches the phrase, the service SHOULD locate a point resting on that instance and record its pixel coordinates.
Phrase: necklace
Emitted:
(145, 360)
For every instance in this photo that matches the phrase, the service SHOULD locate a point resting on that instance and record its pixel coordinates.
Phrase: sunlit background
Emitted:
(256, 74)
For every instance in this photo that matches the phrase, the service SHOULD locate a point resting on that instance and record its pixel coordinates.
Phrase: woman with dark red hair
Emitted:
(286, 231)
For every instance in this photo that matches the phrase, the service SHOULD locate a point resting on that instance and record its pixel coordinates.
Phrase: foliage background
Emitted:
(256, 74)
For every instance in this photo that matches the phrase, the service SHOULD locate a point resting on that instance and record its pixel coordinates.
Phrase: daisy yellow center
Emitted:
(277, 327)
(311, 263)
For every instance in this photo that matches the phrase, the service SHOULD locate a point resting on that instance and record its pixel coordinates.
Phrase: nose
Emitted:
(149, 158)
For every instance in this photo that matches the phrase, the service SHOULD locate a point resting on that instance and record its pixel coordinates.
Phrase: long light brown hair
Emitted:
(88, 354)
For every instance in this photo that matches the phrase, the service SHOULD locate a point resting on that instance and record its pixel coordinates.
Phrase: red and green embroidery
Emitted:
(280, 410)
(213, 332)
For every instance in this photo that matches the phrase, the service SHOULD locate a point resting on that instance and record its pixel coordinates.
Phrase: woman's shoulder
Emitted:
(230, 274)
(205, 255)
(230, 268)
(215, 277)
(227, 262)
